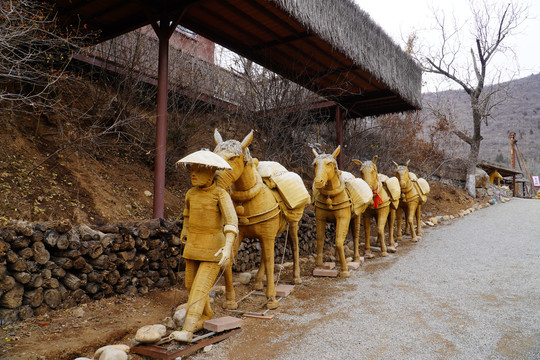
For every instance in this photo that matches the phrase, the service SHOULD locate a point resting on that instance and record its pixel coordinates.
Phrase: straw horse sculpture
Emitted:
(384, 202)
(412, 198)
(339, 203)
(259, 213)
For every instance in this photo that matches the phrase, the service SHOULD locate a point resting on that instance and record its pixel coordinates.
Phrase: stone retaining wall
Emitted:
(56, 265)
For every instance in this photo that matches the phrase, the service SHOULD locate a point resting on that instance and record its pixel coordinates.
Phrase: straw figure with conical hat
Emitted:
(414, 193)
(386, 192)
(338, 197)
(268, 200)
(210, 228)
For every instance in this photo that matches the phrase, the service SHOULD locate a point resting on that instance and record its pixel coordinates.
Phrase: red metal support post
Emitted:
(164, 30)
(161, 120)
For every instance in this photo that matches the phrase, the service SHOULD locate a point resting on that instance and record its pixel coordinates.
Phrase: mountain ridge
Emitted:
(519, 112)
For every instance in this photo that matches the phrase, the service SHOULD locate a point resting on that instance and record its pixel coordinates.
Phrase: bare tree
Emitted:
(34, 52)
(491, 25)
(394, 137)
(282, 111)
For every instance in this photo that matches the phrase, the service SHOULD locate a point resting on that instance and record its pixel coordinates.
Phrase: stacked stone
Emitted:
(56, 265)
(249, 252)
(53, 265)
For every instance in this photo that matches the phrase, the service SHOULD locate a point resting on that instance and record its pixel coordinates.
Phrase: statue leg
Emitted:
(366, 218)
(267, 258)
(191, 271)
(356, 222)
(342, 228)
(293, 242)
(419, 220)
(399, 214)
(410, 219)
(407, 228)
(259, 277)
(230, 295)
(382, 216)
(321, 233)
(391, 221)
(198, 300)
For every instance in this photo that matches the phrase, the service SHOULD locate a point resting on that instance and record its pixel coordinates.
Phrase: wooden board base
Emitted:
(169, 353)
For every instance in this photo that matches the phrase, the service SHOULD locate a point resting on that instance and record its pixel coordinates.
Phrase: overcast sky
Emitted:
(401, 17)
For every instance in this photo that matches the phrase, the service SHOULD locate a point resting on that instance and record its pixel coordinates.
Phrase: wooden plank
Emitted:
(264, 317)
(157, 352)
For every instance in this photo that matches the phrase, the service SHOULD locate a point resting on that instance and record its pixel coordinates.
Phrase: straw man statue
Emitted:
(209, 231)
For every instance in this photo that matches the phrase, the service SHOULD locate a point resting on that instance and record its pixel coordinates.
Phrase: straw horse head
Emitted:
(411, 203)
(380, 209)
(259, 214)
(332, 203)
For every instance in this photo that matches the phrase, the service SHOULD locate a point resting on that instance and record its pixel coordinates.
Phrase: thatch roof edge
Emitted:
(350, 30)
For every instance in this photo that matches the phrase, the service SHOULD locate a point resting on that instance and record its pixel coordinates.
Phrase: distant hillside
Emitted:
(520, 113)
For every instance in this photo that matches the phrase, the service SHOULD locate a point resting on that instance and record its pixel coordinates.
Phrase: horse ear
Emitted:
(217, 137)
(357, 162)
(395, 163)
(247, 140)
(336, 152)
(407, 163)
(314, 152)
(375, 158)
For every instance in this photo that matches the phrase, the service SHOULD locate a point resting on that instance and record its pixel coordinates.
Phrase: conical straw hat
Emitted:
(205, 157)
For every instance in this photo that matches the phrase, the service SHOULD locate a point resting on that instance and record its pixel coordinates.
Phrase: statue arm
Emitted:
(230, 229)
(185, 227)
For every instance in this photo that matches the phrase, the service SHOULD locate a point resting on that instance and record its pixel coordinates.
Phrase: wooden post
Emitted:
(513, 161)
(339, 135)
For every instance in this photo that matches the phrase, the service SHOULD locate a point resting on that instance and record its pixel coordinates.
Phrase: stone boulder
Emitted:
(482, 178)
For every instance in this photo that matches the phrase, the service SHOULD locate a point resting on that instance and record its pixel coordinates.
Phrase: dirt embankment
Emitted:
(42, 180)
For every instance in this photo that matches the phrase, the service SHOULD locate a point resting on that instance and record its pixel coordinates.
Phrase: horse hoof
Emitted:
(392, 249)
(344, 274)
(297, 281)
(384, 254)
(272, 304)
(369, 255)
(230, 305)
(356, 259)
(258, 286)
(415, 239)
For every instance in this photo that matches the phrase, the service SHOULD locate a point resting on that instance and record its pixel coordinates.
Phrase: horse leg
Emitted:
(267, 258)
(259, 277)
(293, 242)
(419, 221)
(367, 232)
(410, 219)
(392, 247)
(342, 228)
(230, 295)
(399, 214)
(382, 216)
(407, 226)
(356, 236)
(321, 233)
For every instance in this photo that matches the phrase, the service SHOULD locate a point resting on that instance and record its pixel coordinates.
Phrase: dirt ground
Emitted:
(80, 331)
(40, 180)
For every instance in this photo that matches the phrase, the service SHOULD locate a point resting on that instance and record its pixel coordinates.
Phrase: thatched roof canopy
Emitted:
(330, 47)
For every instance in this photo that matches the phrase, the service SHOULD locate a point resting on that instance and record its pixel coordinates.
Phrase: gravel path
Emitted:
(469, 290)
